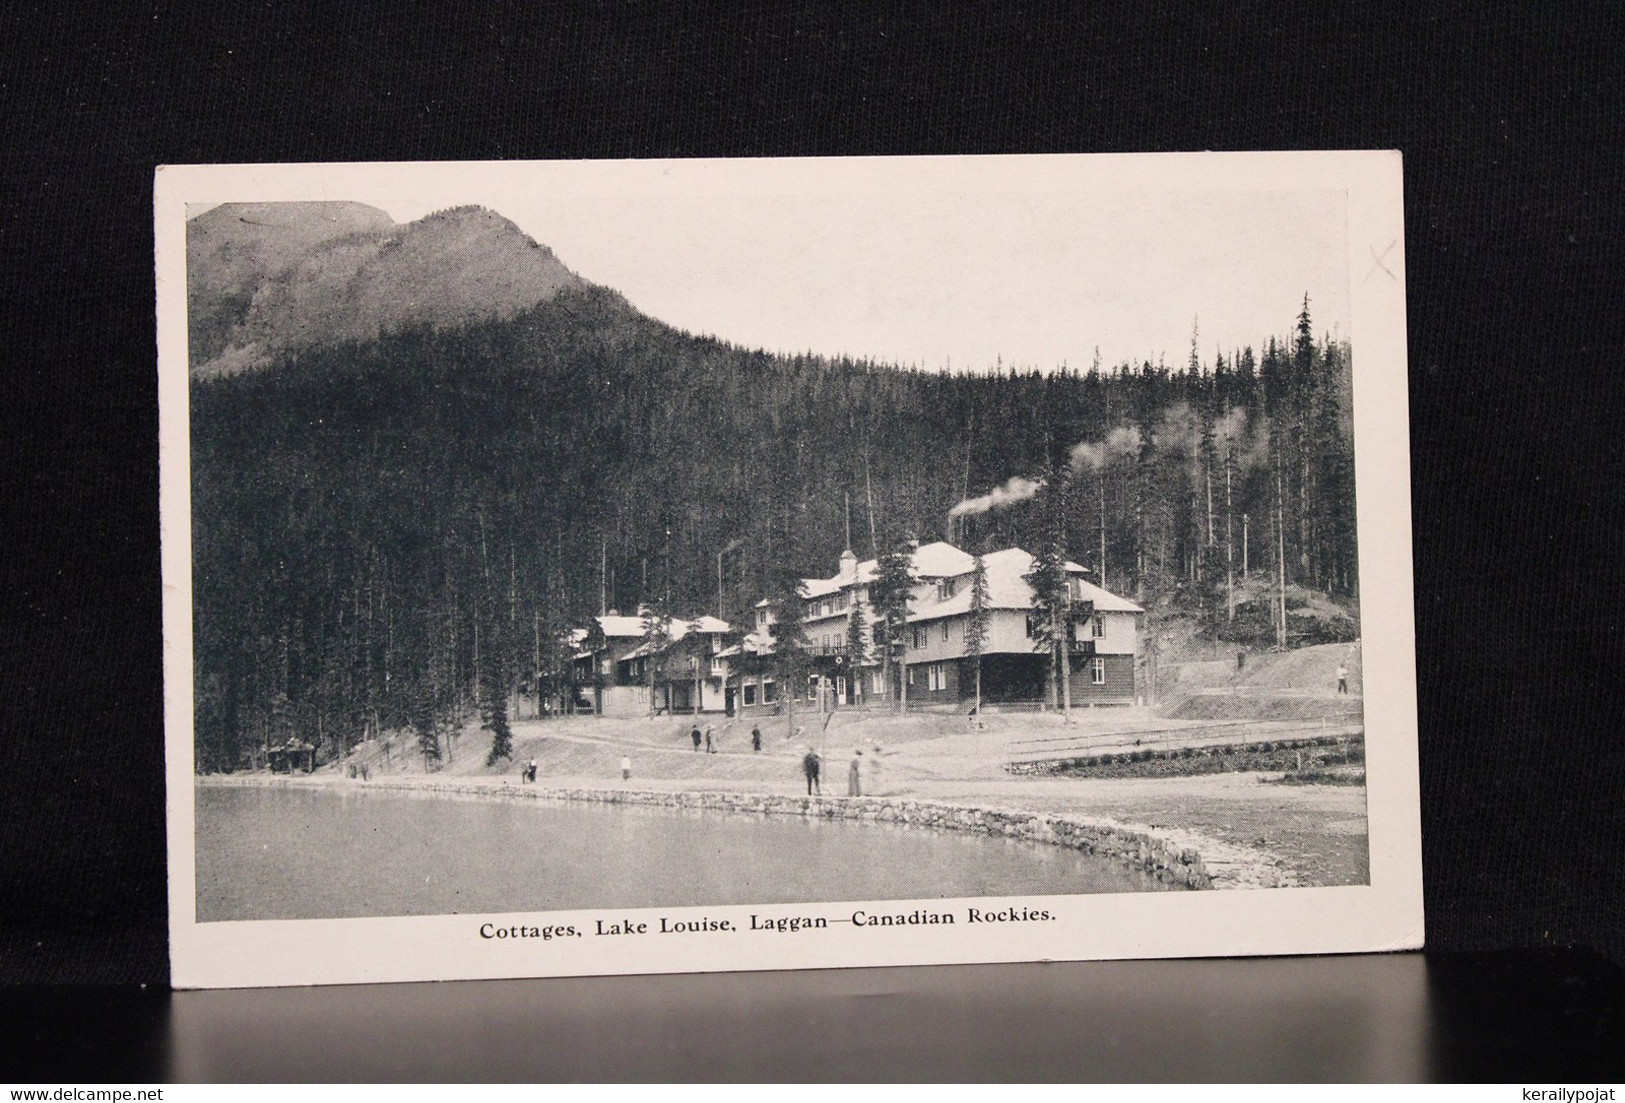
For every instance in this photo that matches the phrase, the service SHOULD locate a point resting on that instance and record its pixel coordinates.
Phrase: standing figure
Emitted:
(811, 765)
(874, 770)
(530, 771)
(626, 767)
(1342, 678)
(696, 736)
(710, 739)
(755, 737)
(854, 775)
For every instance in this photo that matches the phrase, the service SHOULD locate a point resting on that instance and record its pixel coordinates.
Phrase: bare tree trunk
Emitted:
(1103, 523)
(902, 681)
(1280, 559)
(1229, 540)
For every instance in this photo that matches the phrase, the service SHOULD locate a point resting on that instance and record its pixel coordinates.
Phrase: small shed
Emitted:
(294, 755)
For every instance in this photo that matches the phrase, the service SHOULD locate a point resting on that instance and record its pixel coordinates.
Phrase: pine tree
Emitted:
(1048, 580)
(976, 626)
(656, 638)
(789, 634)
(857, 643)
(1306, 445)
(890, 594)
(1339, 552)
(426, 723)
(494, 684)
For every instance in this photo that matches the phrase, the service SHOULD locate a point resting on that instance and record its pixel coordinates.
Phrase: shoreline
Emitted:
(1172, 856)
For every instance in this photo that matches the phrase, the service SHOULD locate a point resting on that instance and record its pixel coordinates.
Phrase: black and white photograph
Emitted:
(596, 567)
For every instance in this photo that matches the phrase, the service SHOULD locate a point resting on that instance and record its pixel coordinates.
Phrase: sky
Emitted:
(943, 270)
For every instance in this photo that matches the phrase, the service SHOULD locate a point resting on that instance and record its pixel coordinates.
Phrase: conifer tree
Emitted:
(494, 684)
(1051, 599)
(976, 625)
(1047, 577)
(857, 643)
(790, 644)
(890, 594)
(656, 638)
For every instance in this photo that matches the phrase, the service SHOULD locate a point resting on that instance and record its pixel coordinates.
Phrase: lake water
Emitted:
(320, 854)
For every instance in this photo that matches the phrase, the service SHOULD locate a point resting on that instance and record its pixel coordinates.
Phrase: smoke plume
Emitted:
(1018, 489)
(1122, 441)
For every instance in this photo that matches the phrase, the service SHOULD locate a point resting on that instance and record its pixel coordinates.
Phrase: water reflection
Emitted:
(311, 854)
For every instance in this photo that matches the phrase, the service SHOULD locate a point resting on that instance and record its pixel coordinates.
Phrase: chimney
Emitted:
(849, 566)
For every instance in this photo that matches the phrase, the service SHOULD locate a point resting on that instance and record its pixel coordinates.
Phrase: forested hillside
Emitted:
(405, 524)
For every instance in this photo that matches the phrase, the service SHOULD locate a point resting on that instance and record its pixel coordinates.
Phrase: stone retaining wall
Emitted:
(1168, 862)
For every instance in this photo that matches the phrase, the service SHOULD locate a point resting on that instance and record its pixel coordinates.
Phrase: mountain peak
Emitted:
(270, 278)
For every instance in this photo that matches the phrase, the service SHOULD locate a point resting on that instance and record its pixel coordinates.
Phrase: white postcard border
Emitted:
(1384, 915)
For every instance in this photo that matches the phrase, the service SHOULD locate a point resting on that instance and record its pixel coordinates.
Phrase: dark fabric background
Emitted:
(1509, 117)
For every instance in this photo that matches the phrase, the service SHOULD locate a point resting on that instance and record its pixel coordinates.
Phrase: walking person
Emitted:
(1342, 678)
(854, 775)
(812, 765)
(755, 737)
(696, 736)
(710, 739)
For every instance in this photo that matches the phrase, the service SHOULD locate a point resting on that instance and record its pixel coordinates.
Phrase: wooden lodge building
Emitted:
(613, 680)
(697, 671)
(1103, 647)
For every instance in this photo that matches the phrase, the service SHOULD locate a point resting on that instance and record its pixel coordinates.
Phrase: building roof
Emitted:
(1007, 588)
(680, 629)
(709, 626)
(616, 626)
(936, 560)
(1006, 583)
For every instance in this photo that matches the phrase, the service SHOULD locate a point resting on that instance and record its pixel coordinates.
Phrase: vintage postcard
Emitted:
(654, 566)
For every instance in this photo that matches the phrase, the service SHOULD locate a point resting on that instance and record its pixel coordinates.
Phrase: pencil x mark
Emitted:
(1378, 258)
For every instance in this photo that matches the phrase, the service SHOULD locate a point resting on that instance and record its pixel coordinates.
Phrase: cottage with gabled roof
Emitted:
(687, 676)
(1102, 646)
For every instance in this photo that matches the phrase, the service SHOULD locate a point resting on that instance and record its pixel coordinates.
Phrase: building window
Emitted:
(944, 631)
(946, 588)
(1032, 628)
(770, 692)
(750, 693)
(1097, 671)
(910, 675)
(938, 677)
(919, 638)
(1098, 626)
